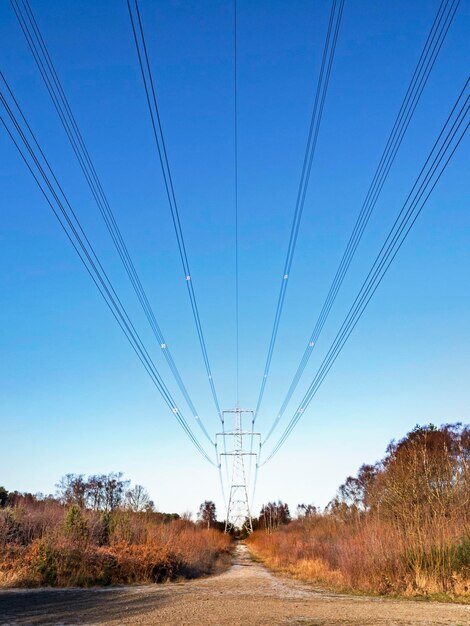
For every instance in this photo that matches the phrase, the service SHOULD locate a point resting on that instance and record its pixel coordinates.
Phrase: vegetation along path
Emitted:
(245, 594)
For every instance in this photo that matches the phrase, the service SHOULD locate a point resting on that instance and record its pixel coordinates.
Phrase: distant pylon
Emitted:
(238, 510)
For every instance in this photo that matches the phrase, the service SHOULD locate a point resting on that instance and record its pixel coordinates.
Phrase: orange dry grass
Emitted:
(138, 549)
(367, 555)
(289, 553)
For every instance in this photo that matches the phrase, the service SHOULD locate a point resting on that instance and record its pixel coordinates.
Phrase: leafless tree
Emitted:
(72, 490)
(207, 514)
(137, 499)
(306, 510)
(273, 515)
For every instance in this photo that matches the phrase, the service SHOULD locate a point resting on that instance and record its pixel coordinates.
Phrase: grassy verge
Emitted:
(285, 552)
(83, 548)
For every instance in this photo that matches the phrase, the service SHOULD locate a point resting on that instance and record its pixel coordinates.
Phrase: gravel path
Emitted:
(247, 594)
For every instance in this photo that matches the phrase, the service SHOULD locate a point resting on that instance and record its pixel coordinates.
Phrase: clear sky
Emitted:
(74, 397)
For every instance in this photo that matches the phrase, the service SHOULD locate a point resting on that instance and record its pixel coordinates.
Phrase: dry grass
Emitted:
(402, 526)
(56, 546)
(369, 557)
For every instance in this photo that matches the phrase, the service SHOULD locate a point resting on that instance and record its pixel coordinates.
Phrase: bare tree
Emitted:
(95, 491)
(98, 492)
(273, 515)
(72, 490)
(137, 499)
(207, 514)
(114, 488)
(306, 510)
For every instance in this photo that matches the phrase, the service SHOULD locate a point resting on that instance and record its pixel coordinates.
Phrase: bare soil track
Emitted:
(246, 594)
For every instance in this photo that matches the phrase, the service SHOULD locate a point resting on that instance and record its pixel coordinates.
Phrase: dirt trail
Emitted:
(246, 594)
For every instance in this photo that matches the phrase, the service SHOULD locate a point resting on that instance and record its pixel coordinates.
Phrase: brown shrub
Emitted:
(50, 544)
(401, 526)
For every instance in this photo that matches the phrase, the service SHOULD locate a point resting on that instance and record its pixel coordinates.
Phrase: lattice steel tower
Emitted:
(238, 510)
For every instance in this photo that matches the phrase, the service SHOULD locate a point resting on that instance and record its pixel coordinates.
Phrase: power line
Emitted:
(151, 98)
(426, 62)
(236, 201)
(442, 151)
(319, 102)
(55, 89)
(45, 178)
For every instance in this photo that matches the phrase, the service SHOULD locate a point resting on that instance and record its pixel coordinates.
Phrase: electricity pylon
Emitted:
(238, 510)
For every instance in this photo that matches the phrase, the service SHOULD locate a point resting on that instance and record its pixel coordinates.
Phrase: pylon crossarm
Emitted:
(238, 453)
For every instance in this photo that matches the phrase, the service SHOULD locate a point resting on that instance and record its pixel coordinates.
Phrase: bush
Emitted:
(46, 543)
(401, 526)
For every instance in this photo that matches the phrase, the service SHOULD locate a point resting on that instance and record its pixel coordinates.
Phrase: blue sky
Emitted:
(74, 397)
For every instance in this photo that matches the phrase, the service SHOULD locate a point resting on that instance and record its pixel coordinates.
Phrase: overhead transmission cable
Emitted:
(42, 57)
(435, 39)
(235, 132)
(22, 136)
(441, 153)
(319, 102)
(152, 104)
(235, 188)
(329, 48)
